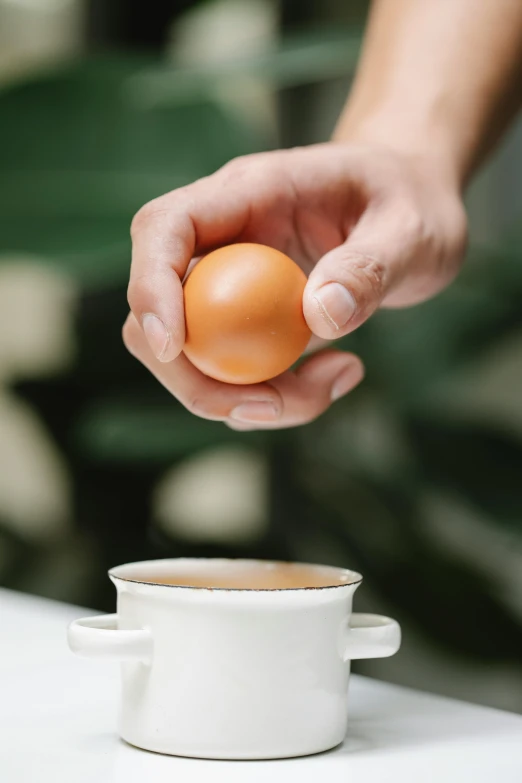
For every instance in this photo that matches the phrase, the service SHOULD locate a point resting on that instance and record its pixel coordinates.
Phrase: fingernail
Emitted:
(255, 411)
(345, 381)
(336, 304)
(156, 333)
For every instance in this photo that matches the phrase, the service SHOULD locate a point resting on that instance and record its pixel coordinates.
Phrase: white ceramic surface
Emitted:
(57, 719)
(233, 674)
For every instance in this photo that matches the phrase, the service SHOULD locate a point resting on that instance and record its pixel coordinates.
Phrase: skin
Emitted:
(374, 217)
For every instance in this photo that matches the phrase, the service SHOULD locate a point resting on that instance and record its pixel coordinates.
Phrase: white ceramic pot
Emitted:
(231, 673)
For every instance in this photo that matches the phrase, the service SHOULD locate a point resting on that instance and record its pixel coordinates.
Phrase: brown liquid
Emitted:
(248, 576)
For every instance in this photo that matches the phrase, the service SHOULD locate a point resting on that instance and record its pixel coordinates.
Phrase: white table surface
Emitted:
(58, 724)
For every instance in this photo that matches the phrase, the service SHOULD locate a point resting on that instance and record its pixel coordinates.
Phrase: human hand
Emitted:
(369, 227)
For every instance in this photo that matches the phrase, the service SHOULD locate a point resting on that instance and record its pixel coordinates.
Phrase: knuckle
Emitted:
(192, 404)
(455, 245)
(458, 228)
(162, 210)
(243, 167)
(236, 169)
(128, 334)
(449, 247)
(319, 408)
(201, 406)
(136, 291)
(368, 273)
(311, 417)
(145, 214)
(414, 228)
(409, 225)
(125, 333)
(142, 292)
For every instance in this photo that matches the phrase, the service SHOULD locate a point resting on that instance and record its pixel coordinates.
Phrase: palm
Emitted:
(304, 216)
(303, 235)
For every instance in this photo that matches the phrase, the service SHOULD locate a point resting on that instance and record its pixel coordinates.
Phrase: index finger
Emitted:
(166, 234)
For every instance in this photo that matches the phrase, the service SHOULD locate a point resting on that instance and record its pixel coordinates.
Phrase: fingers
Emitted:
(199, 394)
(166, 234)
(286, 401)
(311, 389)
(162, 246)
(350, 282)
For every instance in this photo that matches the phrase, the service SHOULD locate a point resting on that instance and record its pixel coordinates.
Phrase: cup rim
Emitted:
(354, 578)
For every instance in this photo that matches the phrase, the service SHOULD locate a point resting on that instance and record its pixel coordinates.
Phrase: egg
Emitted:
(244, 314)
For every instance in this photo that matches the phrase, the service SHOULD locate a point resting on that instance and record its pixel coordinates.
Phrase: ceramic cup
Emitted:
(233, 673)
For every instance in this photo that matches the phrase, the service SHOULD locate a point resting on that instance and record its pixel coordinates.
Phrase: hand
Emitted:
(370, 227)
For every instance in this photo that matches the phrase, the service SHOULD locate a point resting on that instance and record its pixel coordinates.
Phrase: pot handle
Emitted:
(100, 637)
(371, 636)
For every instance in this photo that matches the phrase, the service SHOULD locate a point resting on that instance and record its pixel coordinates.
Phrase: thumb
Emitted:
(349, 283)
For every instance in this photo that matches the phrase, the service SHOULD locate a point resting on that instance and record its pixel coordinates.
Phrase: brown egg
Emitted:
(244, 314)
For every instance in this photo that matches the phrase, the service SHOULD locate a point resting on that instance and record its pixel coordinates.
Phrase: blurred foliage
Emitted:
(79, 157)
(81, 148)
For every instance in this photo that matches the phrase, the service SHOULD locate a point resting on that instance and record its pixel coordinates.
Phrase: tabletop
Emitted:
(58, 723)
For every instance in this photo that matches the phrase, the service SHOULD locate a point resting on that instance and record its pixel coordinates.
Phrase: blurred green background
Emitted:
(415, 479)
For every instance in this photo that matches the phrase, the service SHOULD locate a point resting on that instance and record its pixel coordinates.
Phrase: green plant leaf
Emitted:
(79, 157)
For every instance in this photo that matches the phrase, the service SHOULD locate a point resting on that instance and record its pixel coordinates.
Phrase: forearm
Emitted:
(437, 77)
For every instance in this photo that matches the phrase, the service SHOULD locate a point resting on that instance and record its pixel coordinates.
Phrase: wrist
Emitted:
(405, 135)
